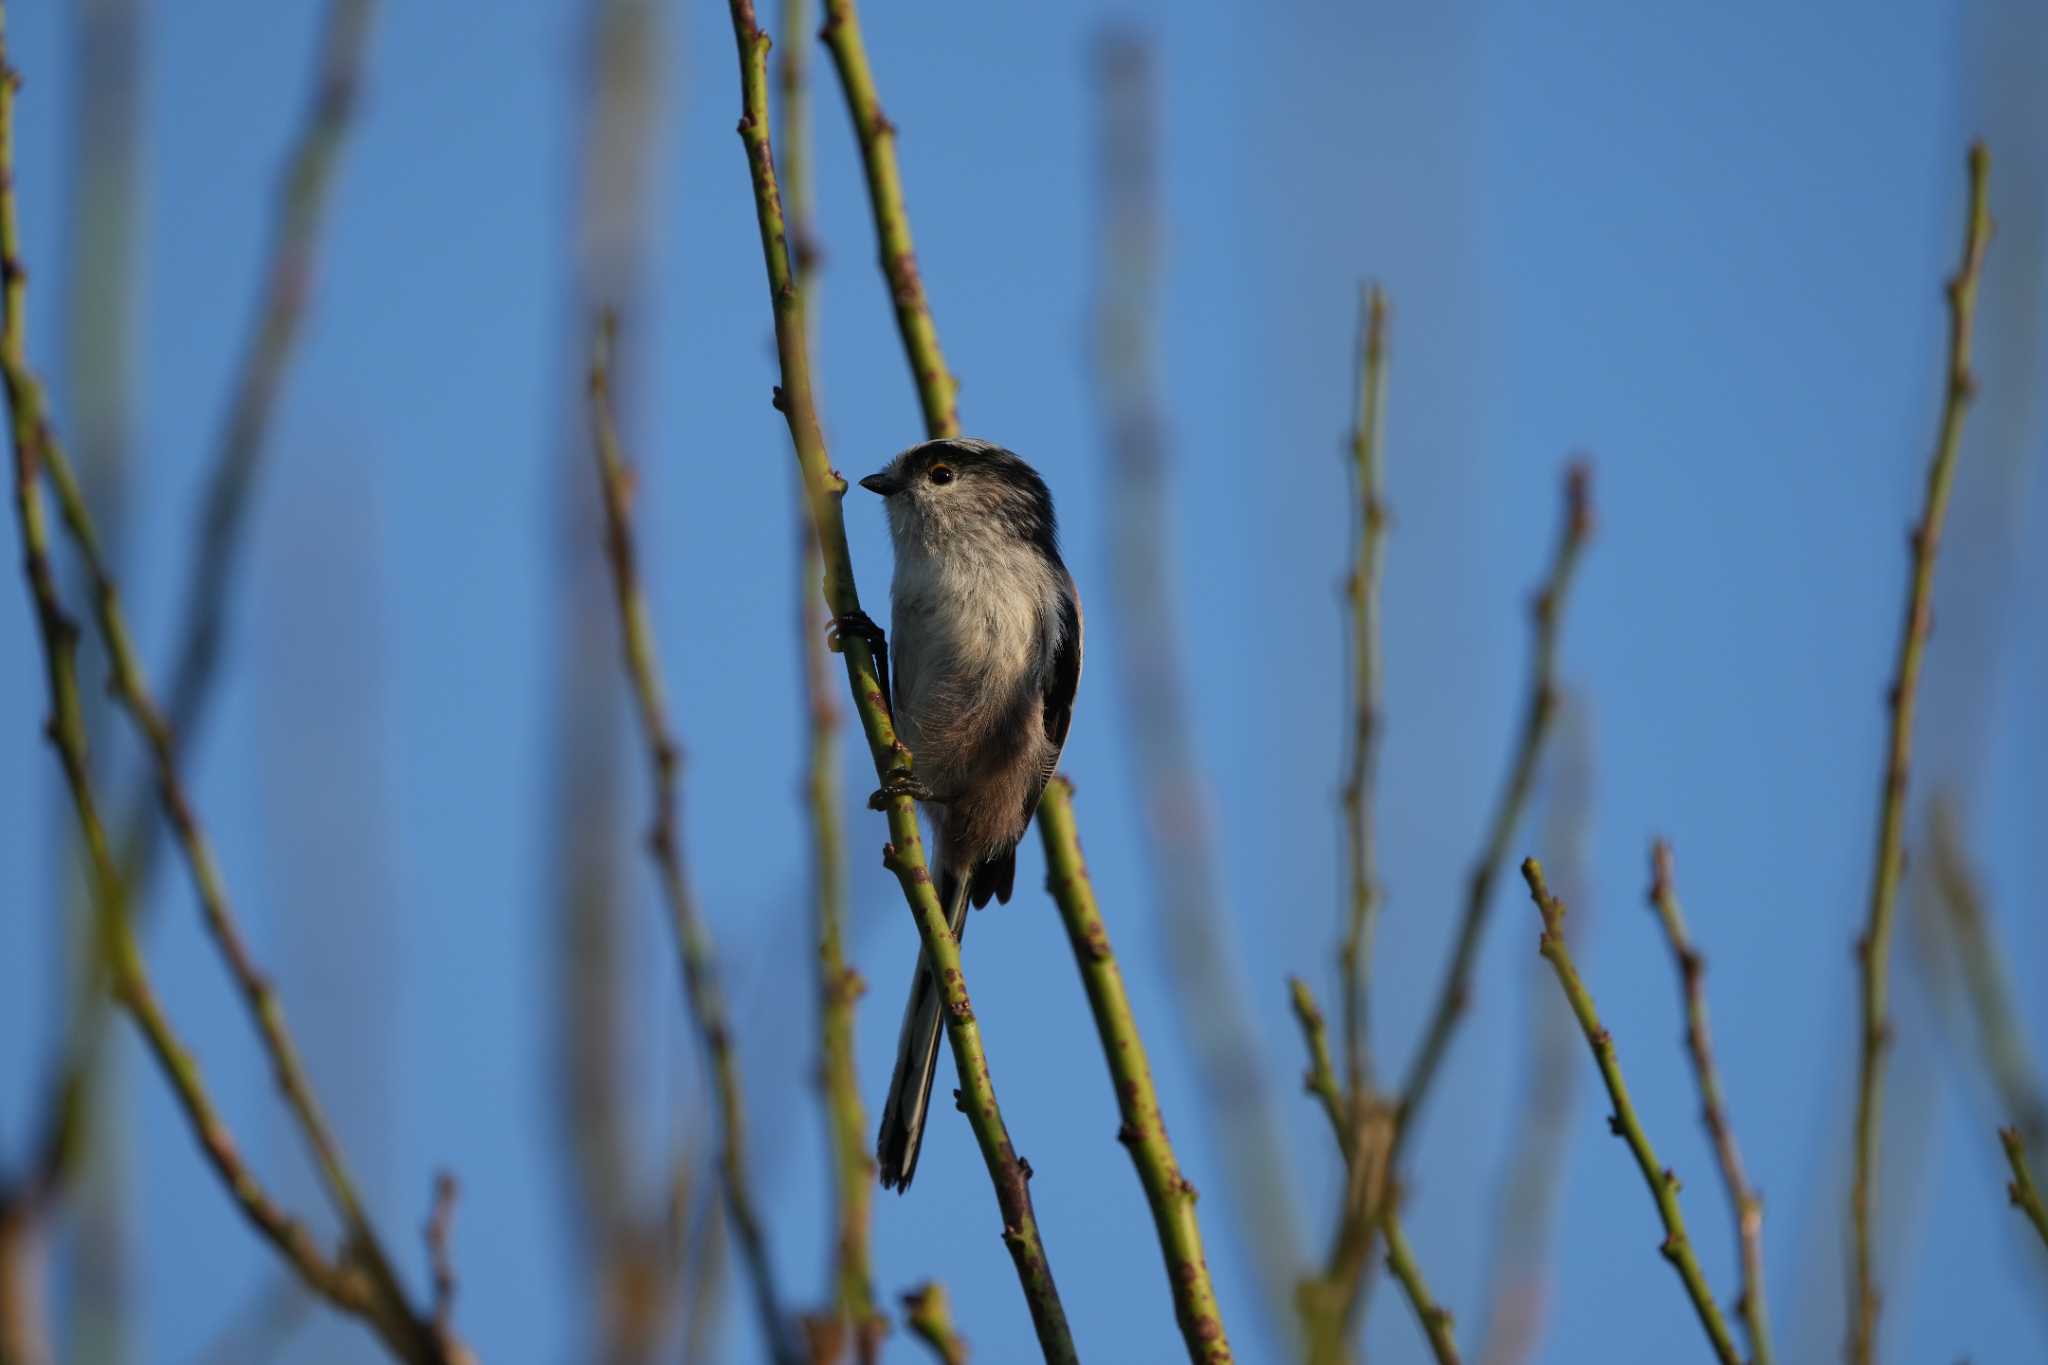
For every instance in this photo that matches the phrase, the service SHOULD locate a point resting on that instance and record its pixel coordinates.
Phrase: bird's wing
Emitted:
(1056, 702)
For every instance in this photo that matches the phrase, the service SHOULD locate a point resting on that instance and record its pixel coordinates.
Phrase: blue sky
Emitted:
(1704, 248)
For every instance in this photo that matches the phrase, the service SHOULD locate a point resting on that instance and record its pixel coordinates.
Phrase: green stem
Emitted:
(1874, 947)
(1676, 1247)
(1143, 1133)
(699, 960)
(936, 387)
(904, 854)
(1745, 1203)
(1436, 1322)
(1537, 714)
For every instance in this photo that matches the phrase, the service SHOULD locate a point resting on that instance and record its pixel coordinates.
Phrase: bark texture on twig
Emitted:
(1143, 1132)
(904, 855)
(1744, 1201)
(1874, 946)
(702, 991)
(1676, 1246)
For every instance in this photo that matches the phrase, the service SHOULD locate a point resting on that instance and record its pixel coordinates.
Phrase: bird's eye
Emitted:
(942, 473)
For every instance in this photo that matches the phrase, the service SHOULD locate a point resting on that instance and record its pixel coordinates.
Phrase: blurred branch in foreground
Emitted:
(626, 1249)
(1676, 1247)
(854, 1317)
(363, 1281)
(1547, 611)
(1237, 1091)
(1744, 1202)
(705, 998)
(301, 209)
(930, 1316)
(904, 854)
(1143, 1132)
(80, 1145)
(1874, 946)
(2002, 1043)
(1521, 1261)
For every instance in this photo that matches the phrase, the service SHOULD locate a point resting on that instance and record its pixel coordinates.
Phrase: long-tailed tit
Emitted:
(986, 628)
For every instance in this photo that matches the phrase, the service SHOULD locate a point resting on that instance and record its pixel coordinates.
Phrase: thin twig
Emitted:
(904, 855)
(1364, 1133)
(930, 1317)
(1321, 1078)
(1237, 1096)
(702, 991)
(1521, 1269)
(1436, 1321)
(2024, 1196)
(839, 986)
(1874, 946)
(1676, 1247)
(1744, 1201)
(1362, 596)
(362, 1283)
(1143, 1132)
(936, 387)
(1547, 610)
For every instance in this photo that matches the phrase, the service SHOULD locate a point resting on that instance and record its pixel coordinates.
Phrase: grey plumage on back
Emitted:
(986, 643)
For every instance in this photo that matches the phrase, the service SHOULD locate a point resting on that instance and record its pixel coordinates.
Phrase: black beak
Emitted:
(882, 484)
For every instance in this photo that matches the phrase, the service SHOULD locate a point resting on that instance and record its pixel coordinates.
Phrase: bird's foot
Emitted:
(899, 782)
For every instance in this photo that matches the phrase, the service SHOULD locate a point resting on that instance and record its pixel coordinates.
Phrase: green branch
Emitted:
(2024, 1196)
(855, 1315)
(664, 843)
(362, 1282)
(936, 387)
(1362, 595)
(1547, 611)
(904, 855)
(1436, 1322)
(1364, 1131)
(1676, 1247)
(1143, 1133)
(1874, 947)
(1745, 1203)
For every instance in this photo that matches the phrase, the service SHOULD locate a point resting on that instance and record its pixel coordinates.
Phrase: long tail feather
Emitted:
(917, 1057)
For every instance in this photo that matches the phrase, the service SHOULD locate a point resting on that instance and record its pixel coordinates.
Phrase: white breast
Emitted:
(974, 625)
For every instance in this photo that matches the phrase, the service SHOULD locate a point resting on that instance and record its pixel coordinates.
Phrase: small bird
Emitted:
(986, 627)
